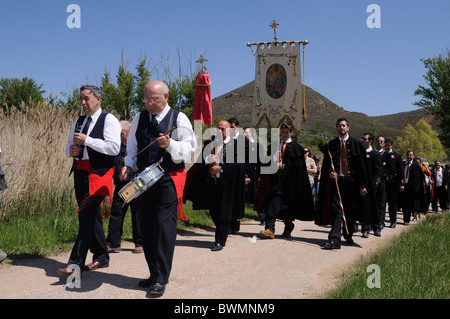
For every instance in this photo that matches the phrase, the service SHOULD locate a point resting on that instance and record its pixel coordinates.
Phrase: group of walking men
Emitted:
(355, 179)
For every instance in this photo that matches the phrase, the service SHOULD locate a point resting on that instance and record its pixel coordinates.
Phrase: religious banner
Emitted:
(278, 93)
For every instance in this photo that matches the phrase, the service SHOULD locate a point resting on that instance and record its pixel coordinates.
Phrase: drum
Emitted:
(141, 183)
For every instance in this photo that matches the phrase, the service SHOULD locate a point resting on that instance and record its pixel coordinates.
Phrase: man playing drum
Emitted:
(160, 203)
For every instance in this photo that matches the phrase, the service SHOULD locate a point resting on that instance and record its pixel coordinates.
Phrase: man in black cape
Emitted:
(218, 183)
(290, 196)
(376, 165)
(353, 179)
(413, 194)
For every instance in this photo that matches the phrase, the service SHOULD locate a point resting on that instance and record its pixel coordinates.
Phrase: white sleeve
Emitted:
(185, 146)
(132, 148)
(111, 134)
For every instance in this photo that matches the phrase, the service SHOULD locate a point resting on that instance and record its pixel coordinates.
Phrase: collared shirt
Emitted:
(182, 149)
(111, 133)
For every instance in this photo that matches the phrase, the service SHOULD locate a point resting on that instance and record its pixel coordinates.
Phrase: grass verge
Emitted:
(414, 266)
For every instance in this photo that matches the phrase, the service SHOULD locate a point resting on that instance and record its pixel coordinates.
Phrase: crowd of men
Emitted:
(353, 185)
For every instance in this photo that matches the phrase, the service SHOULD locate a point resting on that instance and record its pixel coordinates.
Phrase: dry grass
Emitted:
(33, 158)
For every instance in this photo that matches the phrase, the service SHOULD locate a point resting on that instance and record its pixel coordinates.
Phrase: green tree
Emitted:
(423, 140)
(14, 91)
(119, 98)
(436, 96)
(141, 79)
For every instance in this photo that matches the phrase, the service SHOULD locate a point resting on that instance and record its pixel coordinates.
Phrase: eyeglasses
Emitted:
(152, 99)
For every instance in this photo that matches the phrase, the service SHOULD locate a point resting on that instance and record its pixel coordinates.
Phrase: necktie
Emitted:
(86, 126)
(153, 125)
(224, 152)
(84, 131)
(344, 164)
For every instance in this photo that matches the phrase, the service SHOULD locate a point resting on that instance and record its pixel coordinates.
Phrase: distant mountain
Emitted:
(321, 114)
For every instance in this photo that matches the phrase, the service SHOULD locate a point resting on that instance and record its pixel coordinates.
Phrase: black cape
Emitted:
(226, 194)
(290, 198)
(362, 175)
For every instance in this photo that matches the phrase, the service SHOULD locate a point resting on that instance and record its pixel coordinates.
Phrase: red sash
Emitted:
(179, 179)
(99, 187)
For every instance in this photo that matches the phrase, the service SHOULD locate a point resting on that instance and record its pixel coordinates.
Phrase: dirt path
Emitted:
(268, 269)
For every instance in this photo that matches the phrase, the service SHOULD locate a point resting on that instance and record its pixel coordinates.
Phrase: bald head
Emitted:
(224, 127)
(156, 94)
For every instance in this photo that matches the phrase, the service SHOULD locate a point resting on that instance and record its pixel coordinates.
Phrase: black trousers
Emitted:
(216, 212)
(158, 208)
(391, 195)
(90, 232)
(381, 202)
(440, 193)
(408, 206)
(117, 215)
(349, 191)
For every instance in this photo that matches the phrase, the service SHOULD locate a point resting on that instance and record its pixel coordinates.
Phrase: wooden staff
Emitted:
(165, 133)
(337, 186)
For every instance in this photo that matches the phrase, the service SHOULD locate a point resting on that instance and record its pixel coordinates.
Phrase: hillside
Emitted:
(321, 114)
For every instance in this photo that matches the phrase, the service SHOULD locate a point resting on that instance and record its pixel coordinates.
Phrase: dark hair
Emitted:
(95, 90)
(389, 140)
(286, 126)
(370, 136)
(340, 120)
(233, 120)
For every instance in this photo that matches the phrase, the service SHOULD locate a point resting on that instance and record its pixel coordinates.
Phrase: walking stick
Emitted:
(337, 186)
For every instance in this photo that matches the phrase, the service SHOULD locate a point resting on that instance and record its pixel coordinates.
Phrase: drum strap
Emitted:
(170, 134)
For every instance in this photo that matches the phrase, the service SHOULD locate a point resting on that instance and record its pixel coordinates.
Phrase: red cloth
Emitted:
(202, 103)
(179, 179)
(99, 186)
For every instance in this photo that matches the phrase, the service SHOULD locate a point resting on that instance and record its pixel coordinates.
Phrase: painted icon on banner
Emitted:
(276, 81)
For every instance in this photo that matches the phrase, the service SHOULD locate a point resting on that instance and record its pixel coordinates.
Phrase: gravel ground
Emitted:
(294, 268)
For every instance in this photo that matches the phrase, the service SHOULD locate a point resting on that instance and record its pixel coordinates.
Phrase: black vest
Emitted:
(100, 162)
(145, 135)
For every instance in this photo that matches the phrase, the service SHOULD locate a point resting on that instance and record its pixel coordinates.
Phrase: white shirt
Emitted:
(180, 150)
(111, 133)
(439, 176)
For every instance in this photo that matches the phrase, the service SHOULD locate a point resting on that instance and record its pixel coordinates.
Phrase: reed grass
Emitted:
(33, 140)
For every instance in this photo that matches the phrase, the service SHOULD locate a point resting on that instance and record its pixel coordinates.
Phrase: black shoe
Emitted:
(145, 283)
(331, 245)
(157, 289)
(287, 231)
(216, 247)
(349, 241)
(392, 225)
(377, 233)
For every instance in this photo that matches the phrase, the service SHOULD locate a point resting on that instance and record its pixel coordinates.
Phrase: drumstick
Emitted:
(165, 133)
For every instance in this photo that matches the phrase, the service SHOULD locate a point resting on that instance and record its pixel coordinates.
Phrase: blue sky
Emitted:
(374, 71)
